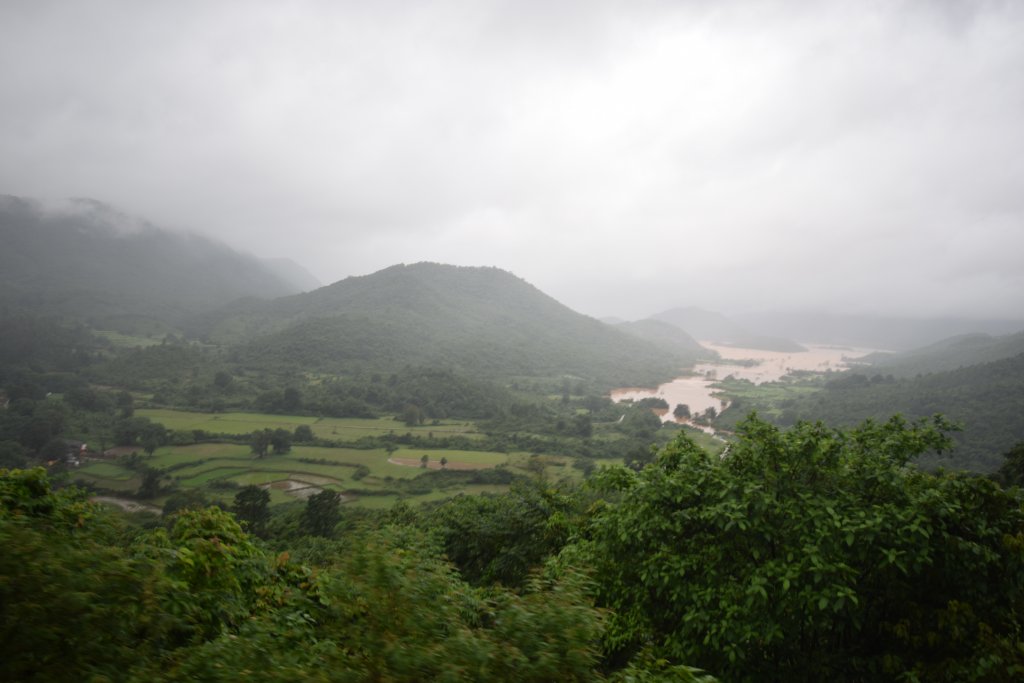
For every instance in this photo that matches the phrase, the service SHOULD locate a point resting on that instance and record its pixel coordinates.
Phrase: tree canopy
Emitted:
(812, 554)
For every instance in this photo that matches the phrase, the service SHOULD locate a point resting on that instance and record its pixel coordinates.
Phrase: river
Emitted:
(695, 390)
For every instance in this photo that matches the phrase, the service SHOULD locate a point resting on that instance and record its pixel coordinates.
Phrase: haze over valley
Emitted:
(512, 341)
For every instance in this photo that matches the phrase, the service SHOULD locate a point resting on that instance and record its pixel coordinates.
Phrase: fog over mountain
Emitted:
(855, 158)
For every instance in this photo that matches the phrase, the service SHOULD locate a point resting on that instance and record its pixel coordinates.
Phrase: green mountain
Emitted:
(987, 400)
(949, 354)
(666, 336)
(88, 262)
(481, 320)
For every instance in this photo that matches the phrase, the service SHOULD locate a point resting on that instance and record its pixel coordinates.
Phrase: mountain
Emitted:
(714, 327)
(292, 274)
(987, 400)
(86, 261)
(873, 332)
(482, 320)
(665, 336)
(948, 354)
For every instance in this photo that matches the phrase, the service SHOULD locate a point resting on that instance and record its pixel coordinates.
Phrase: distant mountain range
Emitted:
(709, 326)
(86, 261)
(874, 332)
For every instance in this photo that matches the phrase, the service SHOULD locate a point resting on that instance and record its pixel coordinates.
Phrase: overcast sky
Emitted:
(623, 157)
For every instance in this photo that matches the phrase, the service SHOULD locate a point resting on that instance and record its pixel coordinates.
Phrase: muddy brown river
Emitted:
(695, 390)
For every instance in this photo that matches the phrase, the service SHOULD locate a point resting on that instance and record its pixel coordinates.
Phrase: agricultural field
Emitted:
(333, 428)
(368, 478)
(127, 341)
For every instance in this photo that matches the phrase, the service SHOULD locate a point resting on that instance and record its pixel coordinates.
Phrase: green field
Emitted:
(334, 428)
(121, 340)
(226, 464)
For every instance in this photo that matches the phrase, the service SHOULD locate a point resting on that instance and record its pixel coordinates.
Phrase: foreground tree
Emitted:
(252, 507)
(322, 513)
(85, 600)
(811, 555)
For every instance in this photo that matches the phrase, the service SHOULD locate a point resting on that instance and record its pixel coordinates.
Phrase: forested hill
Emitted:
(985, 399)
(665, 335)
(482, 320)
(87, 261)
(949, 354)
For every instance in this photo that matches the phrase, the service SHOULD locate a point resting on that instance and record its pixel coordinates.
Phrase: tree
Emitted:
(12, 455)
(1011, 473)
(424, 460)
(501, 539)
(322, 512)
(252, 508)
(281, 440)
(682, 411)
(150, 486)
(152, 437)
(412, 415)
(304, 434)
(583, 426)
(444, 462)
(185, 499)
(260, 442)
(813, 554)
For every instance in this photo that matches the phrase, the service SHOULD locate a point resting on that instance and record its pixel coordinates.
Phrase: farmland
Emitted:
(330, 428)
(373, 477)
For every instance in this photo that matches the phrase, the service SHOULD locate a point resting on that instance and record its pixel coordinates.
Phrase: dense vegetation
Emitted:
(800, 555)
(88, 262)
(985, 400)
(803, 555)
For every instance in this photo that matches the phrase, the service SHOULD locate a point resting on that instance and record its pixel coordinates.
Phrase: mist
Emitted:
(851, 158)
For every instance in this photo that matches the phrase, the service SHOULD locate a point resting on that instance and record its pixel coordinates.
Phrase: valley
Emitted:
(447, 440)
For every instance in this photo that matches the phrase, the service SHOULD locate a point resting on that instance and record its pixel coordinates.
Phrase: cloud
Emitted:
(624, 158)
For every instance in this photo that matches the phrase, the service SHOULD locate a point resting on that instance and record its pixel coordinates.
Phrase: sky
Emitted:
(624, 157)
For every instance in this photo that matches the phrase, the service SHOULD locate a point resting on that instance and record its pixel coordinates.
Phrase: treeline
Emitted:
(985, 400)
(806, 555)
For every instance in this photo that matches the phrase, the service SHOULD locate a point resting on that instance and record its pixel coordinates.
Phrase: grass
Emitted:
(126, 341)
(200, 465)
(106, 470)
(331, 428)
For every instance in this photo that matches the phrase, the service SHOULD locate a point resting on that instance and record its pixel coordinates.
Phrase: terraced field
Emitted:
(334, 428)
(359, 474)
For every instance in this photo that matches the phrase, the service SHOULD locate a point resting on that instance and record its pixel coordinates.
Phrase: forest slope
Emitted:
(87, 261)
(482, 320)
(985, 399)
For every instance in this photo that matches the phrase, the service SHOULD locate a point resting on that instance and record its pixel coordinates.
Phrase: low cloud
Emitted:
(862, 157)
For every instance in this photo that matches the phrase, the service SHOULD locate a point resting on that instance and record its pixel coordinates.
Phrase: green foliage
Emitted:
(303, 434)
(500, 539)
(85, 600)
(252, 507)
(1011, 473)
(811, 555)
(322, 513)
(986, 400)
(74, 604)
